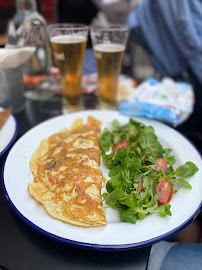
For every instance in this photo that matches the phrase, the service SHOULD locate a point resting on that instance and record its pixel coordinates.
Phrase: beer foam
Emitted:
(68, 39)
(109, 47)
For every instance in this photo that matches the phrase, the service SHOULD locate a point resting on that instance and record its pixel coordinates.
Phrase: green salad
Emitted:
(141, 171)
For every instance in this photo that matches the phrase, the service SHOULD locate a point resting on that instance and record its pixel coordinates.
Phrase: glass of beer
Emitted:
(68, 42)
(109, 45)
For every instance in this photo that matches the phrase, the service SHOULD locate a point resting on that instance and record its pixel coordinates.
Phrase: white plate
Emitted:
(7, 133)
(117, 235)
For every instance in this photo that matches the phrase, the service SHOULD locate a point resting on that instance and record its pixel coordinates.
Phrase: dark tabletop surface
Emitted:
(23, 248)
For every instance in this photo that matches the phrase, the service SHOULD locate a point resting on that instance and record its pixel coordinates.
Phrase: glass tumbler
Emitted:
(109, 46)
(68, 42)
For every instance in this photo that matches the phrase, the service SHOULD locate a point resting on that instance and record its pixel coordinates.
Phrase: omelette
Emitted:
(67, 179)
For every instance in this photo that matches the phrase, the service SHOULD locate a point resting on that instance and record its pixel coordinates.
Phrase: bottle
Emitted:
(28, 28)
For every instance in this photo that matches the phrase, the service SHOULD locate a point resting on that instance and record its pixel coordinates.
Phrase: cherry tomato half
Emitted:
(121, 144)
(163, 163)
(166, 191)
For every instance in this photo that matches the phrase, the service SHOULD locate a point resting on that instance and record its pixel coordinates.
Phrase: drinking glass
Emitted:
(68, 42)
(109, 46)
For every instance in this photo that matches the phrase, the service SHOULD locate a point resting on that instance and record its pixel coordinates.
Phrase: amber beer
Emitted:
(68, 52)
(109, 60)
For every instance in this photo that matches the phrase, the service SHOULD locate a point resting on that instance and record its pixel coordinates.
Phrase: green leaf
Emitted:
(104, 195)
(184, 182)
(145, 182)
(108, 161)
(187, 170)
(193, 167)
(153, 201)
(150, 141)
(115, 124)
(143, 197)
(116, 137)
(163, 210)
(129, 216)
(148, 129)
(135, 123)
(152, 186)
(109, 187)
(114, 171)
(139, 210)
(116, 182)
(127, 180)
(167, 151)
(170, 159)
(114, 196)
(132, 162)
(153, 207)
(183, 171)
(105, 140)
(141, 216)
(131, 200)
(167, 157)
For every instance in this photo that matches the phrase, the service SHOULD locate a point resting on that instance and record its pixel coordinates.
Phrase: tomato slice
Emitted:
(166, 191)
(163, 163)
(121, 144)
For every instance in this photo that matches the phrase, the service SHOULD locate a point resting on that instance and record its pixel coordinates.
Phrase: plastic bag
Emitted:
(165, 100)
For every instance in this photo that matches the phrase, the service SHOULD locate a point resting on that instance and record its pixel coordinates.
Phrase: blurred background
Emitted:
(136, 62)
(165, 35)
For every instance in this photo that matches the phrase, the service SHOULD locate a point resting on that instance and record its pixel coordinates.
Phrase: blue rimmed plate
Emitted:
(8, 133)
(116, 235)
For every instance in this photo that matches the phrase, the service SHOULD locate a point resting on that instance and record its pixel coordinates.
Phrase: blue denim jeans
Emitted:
(175, 256)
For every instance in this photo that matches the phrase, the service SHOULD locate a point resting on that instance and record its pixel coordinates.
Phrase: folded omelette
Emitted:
(67, 177)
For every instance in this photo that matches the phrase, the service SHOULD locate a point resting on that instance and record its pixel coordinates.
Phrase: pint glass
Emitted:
(109, 46)
(68, 42)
